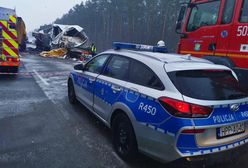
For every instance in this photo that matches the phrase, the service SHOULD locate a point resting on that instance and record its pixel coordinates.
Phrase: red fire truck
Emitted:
(216, 30)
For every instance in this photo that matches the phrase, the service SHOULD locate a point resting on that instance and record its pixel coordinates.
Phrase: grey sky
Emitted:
(39, 12)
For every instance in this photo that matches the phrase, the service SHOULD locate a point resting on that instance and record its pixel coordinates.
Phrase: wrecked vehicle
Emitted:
(61, 36)
(68, 36)
(42, 41)
(72, 38)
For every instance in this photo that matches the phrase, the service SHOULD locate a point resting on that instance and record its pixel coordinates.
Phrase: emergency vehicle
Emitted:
(216, 30)
(167, 106)
(9, 54)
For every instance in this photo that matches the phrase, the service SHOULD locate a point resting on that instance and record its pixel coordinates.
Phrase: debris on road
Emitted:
(56, 53)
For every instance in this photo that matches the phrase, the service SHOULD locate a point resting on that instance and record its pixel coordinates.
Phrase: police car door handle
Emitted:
(116, 89)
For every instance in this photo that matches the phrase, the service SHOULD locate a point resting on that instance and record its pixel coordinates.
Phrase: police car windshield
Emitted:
(208, 84)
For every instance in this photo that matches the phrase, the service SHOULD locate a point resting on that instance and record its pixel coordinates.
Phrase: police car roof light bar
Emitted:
(139, 47)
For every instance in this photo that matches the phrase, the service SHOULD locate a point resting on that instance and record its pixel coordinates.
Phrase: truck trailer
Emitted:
(216, 30)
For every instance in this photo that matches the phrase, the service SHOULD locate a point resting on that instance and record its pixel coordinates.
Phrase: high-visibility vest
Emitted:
(93, 49)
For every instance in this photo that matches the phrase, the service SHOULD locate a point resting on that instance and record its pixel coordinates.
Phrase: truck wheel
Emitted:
(124, 139)
(71, 92)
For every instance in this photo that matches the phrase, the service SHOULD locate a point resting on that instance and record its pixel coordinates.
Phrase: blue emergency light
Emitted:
(139, 47)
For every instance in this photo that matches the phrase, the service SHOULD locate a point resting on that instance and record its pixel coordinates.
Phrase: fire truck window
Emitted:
(203, 14)
(244, 12)
(228, 12)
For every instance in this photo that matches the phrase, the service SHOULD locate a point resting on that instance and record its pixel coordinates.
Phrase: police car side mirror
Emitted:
(79, 67)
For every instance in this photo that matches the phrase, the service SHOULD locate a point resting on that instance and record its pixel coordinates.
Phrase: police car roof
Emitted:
(161, 57)
(173, 61)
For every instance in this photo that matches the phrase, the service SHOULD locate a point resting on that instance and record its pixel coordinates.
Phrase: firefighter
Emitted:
(93, 49)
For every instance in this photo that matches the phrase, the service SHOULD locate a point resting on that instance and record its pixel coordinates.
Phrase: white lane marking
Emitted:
(42, 79)
(43, 85)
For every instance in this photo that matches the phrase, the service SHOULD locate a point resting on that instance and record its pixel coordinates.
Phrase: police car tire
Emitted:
(71, 92)
(123, 127)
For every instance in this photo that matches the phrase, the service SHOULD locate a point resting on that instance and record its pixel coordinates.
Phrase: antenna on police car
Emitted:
(188, 56)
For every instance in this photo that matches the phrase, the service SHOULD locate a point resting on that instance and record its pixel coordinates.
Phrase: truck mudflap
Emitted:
(225, 128)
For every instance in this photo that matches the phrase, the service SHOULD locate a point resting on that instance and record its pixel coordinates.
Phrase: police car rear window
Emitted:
(208, 84)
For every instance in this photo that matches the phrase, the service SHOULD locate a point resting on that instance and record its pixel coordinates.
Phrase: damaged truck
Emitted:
(69, 37)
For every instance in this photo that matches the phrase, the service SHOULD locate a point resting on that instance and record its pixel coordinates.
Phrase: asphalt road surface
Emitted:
(40, 129)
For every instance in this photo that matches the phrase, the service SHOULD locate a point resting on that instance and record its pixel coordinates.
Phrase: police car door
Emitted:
(88, 77)
(110, 85)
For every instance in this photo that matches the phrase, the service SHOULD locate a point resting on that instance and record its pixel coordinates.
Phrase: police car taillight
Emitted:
(183, 109)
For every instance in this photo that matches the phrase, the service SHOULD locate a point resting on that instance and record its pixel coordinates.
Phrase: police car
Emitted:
(167, 106)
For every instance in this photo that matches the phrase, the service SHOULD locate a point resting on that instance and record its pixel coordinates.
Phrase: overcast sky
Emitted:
(39, 12)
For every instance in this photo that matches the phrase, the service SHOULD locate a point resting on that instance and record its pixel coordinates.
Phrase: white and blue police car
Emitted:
(167, 106)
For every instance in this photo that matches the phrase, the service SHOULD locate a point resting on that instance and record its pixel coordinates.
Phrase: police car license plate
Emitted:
(230, 130)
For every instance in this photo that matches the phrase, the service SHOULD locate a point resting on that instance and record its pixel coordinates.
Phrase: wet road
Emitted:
(40, 129)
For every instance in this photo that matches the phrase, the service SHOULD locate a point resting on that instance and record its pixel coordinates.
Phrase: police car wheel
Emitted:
(71, 92)
(124, 139)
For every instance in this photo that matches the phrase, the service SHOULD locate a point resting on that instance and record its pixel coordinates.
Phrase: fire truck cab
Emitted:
(9, 52)
(216, 30)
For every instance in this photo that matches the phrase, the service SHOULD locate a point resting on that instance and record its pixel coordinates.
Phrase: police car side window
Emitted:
(142, 75)
(96, 64)
(118, 68)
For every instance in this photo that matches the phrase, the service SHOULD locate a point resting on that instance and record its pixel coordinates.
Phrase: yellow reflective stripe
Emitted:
(14, 44)
(12, 19)
(237, 55)
(7, 37)
(4, 23)
(9, 50)
(14, 33)
(215, 54)
(221, 54)
(3, 57)
(197, 53)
